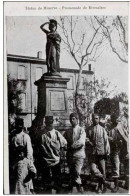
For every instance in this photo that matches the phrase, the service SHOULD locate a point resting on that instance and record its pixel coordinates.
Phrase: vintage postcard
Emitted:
(66, 120)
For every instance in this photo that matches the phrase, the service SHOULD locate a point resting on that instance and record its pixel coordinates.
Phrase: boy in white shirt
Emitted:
(75, 151)
(51, 144)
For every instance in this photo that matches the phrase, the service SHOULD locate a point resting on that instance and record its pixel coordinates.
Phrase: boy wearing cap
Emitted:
(22, 139)
(51, 144)
(75, 151)
(52, 46)
(100, 149)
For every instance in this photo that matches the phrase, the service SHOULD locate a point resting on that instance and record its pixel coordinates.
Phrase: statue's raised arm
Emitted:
(43, 29)
(52, 48)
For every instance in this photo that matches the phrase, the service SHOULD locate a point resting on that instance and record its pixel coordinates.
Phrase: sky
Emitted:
(24, 37)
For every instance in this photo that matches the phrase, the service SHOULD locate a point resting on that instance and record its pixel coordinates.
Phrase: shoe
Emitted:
(58, 191)
(32, 192)
(99, 191)
(70, 190)
(102, 186)
(80, 189)
(115, 189)
(104, 189)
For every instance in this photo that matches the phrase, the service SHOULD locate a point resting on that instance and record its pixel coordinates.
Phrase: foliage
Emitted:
(107, 106)
(97, 90)
(14, 91)
(81, 106)
(118, 105)
(94, 91)
(123, 99)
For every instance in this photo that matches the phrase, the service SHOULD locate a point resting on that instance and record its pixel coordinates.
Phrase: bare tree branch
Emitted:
(75, 22)
(92, 40)
(78, 49)
(71, 25)
(67, 40)
(82, 40)
(124, 32)
(65, 31)
(108, 35)
(73, 55)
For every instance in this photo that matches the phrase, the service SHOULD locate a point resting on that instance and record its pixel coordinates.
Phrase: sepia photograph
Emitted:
(66, 98)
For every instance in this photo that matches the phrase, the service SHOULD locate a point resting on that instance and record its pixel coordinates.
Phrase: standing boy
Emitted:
(51, 144)
(75, 151)
(100, 149)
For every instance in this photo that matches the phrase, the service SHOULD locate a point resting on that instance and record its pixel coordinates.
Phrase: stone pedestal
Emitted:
(52, 100)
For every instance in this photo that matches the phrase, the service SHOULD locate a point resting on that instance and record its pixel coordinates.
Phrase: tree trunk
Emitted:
(78, 81)
(77, 95)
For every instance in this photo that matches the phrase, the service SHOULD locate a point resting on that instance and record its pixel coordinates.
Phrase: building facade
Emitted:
(27, 70)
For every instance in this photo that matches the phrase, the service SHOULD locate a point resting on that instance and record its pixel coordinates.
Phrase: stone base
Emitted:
(52, 99)
(55, 74)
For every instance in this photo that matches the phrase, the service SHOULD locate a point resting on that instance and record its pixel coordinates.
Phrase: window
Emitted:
(21, 72)
(39, 72)
(23, 101)
(70, 84)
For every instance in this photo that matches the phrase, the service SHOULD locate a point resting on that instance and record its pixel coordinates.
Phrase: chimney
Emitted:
(39, 55)
(89, 67)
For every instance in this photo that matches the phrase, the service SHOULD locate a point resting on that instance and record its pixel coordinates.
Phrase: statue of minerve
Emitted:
(52, 48)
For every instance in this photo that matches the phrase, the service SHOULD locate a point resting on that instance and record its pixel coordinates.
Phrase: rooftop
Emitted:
(36, 60)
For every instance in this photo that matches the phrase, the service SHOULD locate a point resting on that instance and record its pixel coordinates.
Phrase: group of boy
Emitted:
(73, 142)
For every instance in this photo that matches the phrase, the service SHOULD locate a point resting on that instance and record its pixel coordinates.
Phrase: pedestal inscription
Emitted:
(57, 100)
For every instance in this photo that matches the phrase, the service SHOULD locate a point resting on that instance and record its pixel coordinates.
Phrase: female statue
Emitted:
(52, 47)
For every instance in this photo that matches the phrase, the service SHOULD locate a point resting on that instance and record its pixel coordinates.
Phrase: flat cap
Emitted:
(74, 115)
(49, 119)
(19, 122)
